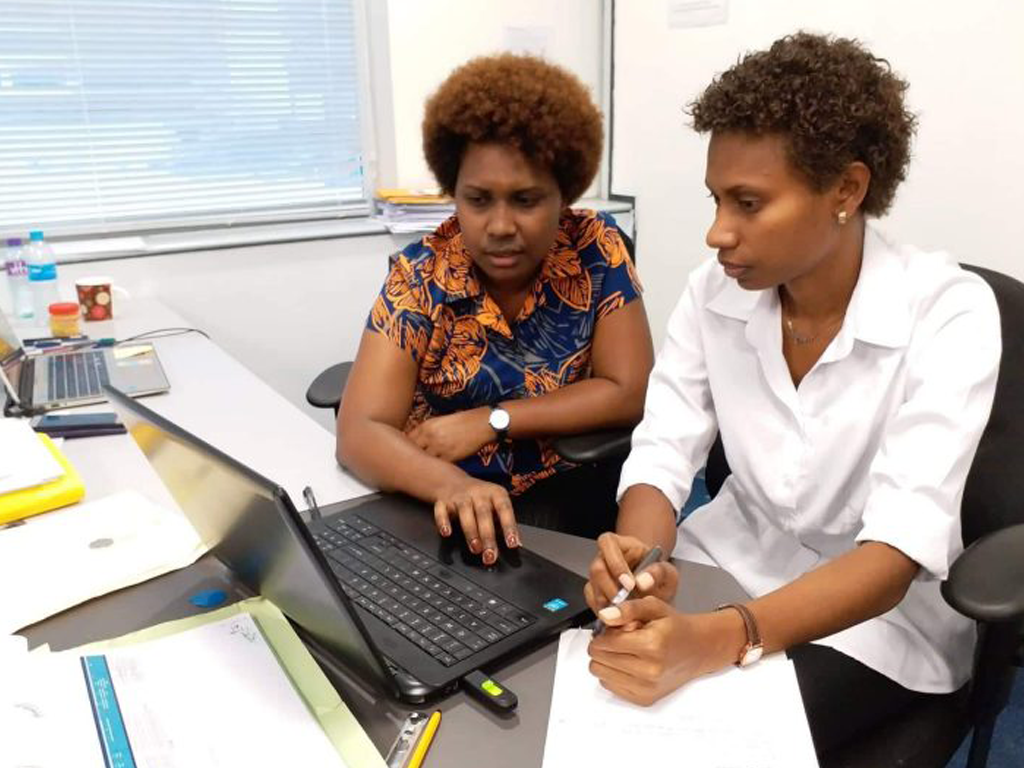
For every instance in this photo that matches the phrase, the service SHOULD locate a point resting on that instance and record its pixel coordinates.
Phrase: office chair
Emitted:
(986, 583)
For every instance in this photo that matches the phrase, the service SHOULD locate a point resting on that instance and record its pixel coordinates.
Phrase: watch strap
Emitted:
(753, 634)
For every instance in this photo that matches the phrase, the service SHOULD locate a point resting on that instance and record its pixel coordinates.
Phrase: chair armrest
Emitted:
(986, 583)
(594, 446)
(326, 389)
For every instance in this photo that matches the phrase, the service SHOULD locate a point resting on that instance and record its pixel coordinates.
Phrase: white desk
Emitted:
(219, 400)
(215, 397)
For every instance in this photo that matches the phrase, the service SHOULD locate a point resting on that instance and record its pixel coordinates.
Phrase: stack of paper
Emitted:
(58, 560)
(234, 689)
(404, 211)
(34, 475)
(24, 460)
(739, 718)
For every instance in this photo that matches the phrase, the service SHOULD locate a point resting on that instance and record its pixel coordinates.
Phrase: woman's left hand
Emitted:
(649, 649)
(455, 436)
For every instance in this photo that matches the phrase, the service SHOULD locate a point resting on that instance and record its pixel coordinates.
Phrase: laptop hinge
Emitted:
(26, 385)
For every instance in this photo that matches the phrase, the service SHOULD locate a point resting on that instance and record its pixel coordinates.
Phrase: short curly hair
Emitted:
(832, 100)
(533, 105)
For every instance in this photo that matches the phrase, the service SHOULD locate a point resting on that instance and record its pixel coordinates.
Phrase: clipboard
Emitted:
(338, 722)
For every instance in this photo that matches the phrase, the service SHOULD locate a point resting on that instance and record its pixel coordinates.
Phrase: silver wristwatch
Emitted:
(499, 421)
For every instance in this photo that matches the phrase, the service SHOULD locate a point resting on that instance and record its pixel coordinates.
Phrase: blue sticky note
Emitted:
(208, 598)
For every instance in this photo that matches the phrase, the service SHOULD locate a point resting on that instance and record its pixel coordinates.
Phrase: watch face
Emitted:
(499, 419)
(751, 654)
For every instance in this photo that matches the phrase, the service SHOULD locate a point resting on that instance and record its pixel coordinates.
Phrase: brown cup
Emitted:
(95, 297)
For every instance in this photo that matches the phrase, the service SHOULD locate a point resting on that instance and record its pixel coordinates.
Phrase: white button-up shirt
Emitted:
(875, 444)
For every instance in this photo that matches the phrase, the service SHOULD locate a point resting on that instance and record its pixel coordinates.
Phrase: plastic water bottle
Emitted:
(42, 274)
(17, 279)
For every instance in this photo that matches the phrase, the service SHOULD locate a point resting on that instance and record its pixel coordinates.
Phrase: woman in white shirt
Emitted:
(850, 380)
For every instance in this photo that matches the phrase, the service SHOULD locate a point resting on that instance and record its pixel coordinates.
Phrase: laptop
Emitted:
(374, 587)
(42, 382)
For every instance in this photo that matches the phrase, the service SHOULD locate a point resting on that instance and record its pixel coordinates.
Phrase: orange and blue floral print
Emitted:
(433, 305)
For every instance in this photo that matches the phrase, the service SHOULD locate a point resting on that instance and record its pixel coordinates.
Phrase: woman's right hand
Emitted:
(475, 503)
(612, 570)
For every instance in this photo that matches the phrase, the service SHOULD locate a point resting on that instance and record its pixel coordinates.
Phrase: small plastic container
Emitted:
(64, 319)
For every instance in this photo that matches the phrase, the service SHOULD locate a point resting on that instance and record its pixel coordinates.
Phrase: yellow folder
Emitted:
(65, 490)
(412, 196)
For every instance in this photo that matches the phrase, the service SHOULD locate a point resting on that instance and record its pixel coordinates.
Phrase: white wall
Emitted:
(965, 65)
(429, 39)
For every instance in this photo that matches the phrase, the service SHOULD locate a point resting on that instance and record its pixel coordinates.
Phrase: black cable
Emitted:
(162, 333)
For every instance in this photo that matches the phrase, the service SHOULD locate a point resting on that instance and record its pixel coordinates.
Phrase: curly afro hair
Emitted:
(833, 101)
(537, 107)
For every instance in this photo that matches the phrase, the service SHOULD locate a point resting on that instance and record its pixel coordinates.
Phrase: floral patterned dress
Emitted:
(434, 306)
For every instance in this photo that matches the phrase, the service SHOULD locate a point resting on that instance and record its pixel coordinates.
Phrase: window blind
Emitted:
(137, 114)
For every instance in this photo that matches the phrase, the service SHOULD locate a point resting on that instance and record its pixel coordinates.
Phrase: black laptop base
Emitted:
(431, 607)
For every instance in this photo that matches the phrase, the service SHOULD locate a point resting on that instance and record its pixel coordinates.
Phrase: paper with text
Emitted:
(739, 718)
(211, 697)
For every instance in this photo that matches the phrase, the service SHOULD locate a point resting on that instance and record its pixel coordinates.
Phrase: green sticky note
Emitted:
(491, 687)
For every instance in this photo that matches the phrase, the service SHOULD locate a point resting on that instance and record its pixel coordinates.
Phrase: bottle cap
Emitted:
(35, 235)
(64, 308)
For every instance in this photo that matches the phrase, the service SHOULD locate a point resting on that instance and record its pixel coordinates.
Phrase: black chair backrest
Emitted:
(994, 492)
(717, 468)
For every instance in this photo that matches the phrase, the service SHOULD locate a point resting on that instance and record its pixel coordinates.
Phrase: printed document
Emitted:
(738, 718)
(214, 696)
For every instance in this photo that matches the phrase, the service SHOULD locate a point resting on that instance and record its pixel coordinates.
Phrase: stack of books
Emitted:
(34, 475)
(405, 211)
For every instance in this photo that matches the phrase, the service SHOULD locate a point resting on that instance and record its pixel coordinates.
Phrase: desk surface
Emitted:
(469, 733)
(226, 405)
(222, 402)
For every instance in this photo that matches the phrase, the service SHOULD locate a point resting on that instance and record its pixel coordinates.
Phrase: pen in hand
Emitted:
(653, 556)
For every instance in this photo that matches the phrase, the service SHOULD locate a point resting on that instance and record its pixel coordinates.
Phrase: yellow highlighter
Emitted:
(420, 751)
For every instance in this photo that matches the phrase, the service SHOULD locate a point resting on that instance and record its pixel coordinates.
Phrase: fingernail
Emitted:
(490, 556)
(512, 540)
(446, 531)
(645, 581)
(626, 581)
(474, 546)
(611, 613)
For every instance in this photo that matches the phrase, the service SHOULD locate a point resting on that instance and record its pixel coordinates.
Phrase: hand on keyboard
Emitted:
(475, 504)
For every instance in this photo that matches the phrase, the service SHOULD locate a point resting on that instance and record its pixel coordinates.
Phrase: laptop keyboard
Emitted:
(444, 614)
(74, 376)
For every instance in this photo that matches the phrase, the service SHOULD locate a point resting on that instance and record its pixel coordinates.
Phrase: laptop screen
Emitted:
(254, 529)
(11, 356)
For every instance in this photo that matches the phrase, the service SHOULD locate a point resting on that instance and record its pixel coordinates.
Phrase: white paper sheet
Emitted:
(63, 558)
(740, 718)
(212, 697)
(24, 460)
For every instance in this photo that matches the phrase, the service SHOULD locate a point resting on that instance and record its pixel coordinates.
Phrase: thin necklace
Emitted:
(799, 338)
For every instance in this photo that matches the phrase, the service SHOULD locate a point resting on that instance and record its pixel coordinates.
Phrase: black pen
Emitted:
(653, 556)
(314, 508)
(49, 341)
